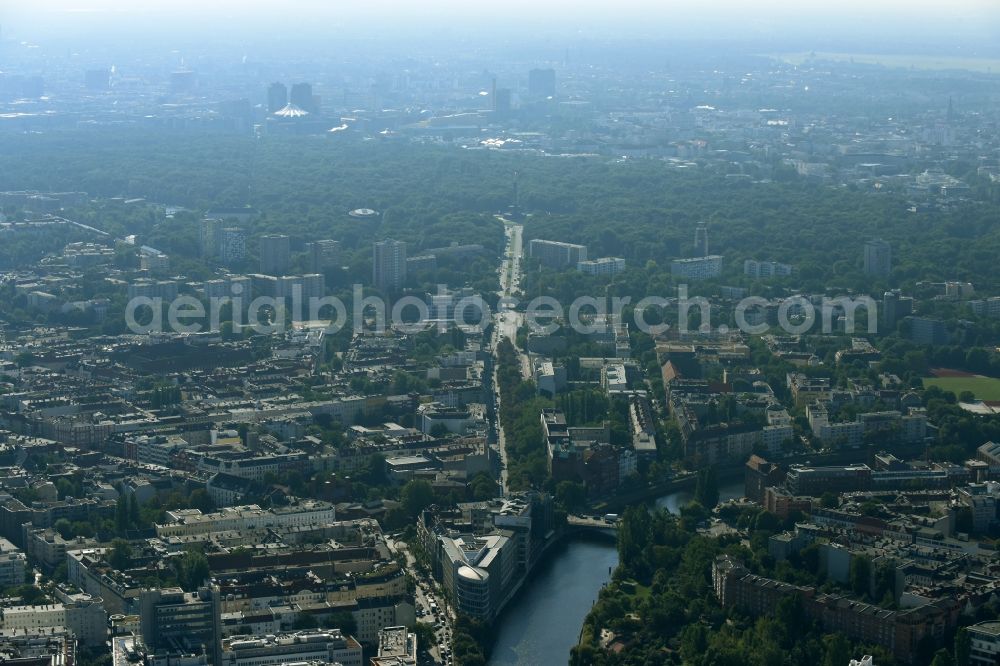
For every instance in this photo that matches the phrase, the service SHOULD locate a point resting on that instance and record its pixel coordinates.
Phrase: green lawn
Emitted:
(634, 589)
(985, 388)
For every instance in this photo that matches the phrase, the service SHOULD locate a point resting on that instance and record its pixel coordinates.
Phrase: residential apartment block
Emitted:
(697, 268)
(556, 254)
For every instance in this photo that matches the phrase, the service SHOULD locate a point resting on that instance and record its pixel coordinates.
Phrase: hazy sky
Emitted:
(962, 24)
(773, 9)
(923, 8)
(907, 6)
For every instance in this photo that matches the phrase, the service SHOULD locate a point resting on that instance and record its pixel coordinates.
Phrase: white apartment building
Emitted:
(12, 564)
(86, 619)
(985, 648)
(329, 646)
(556, 254)
(602, 266)
(989, 307)
(697, 268)
(773, 437)
(186, 522)
(765, 269)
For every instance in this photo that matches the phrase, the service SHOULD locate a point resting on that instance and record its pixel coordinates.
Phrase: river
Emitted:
(543, 622)
(674, 501)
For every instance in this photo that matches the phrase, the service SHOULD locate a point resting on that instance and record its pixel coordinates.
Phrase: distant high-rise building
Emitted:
(542, 82)
(308, 286)
(97, 79)
(515, 208)
(878, 258)
(701, 240)
(173, 621)
(232, 245)
(322, 254)
(501, 100)
(182, 81)
(277, 97)
(389, 265)
(894, 308)
(275, 254)
(211, 234)
(927, 330)
(302, 97)
(33, 87)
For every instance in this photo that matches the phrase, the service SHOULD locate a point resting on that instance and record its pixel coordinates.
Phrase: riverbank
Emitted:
(541, 618)
(674, 502)
(729, 476)
(643, 495)
(543, 615)
(558, 538)
(541, 624)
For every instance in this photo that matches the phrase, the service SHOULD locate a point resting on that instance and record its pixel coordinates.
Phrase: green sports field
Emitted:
(985, 388)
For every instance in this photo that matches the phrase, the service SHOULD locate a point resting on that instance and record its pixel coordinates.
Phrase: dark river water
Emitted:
(674, 501)
(543, 623)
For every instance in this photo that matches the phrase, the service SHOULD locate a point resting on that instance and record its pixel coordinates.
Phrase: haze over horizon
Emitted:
(965, 28)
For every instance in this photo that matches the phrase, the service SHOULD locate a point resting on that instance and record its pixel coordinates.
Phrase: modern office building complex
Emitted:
(480, 551)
